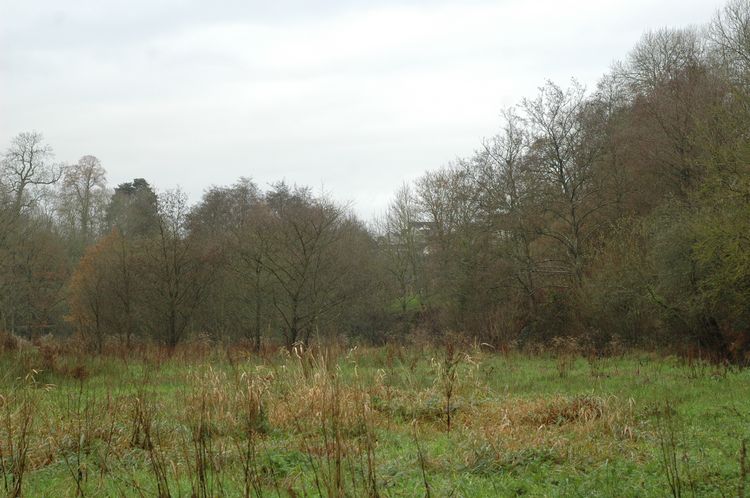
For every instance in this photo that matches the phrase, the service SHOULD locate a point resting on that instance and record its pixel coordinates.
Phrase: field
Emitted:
(391, 421)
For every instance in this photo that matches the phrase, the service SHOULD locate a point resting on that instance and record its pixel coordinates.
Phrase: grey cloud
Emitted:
(353, 95)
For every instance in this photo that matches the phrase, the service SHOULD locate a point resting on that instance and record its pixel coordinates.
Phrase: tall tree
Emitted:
(177, 274)
(304, 238)
(565, 148)
(229, 220)
(27, 166)
(403, 243)
(133, 209)
(83, 197)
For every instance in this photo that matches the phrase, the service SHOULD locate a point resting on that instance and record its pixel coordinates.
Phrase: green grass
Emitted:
(369, 421)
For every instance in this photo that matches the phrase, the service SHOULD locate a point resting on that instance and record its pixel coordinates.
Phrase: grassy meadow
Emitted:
(391, 421)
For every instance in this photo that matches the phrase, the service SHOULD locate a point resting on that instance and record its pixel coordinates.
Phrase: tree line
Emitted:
(620, 212)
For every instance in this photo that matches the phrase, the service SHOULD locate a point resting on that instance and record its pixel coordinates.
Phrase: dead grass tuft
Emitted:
(8, 342)
(566, 410)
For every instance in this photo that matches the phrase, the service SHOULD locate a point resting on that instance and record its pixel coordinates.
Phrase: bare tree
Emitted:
(729, 34)
(83, 196)
(251, 266)
(303, 237)
(673, 92)
(564, 150)
(403, 244)
(459, 265)
(507, 195)
(178, 275)
(230, 221)
(27, 165)
(661, 56)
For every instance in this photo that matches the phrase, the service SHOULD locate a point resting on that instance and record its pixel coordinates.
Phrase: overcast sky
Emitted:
(353, 97)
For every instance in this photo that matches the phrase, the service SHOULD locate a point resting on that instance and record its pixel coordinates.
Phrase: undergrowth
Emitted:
(454, 420)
